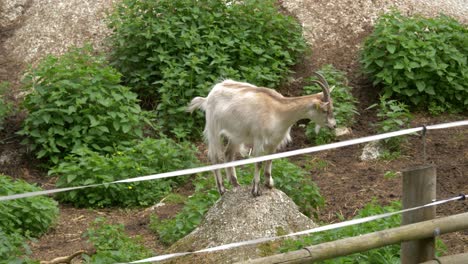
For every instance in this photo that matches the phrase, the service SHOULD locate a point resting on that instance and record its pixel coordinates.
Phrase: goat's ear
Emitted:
(332, 88)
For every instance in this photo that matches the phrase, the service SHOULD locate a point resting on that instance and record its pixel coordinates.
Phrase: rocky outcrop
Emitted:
(237, 216)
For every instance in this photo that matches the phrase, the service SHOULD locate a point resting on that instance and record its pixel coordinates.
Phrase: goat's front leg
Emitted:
(269, 183)
(256, 181)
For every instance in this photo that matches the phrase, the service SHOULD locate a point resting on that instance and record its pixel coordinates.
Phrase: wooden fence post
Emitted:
(419, 188)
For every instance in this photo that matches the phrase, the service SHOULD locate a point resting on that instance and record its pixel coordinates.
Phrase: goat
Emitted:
(244, 114)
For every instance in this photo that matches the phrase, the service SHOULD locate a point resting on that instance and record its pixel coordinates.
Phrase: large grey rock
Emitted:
(372, 151)
(237, 216)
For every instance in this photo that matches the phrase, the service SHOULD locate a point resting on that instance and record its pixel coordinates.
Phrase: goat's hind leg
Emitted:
(219, 182)
(230, 154)
(215, 159)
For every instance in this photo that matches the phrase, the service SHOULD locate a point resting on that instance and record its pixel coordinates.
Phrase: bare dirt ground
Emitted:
(335, 30)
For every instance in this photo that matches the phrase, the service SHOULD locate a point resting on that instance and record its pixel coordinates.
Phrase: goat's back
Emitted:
(242, 112)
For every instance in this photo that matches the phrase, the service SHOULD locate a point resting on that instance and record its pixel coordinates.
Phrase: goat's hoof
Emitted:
(256, 192)
(269, 186)
(221, 191)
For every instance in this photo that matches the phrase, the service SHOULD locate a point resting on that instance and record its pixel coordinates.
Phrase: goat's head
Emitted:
(326, 118)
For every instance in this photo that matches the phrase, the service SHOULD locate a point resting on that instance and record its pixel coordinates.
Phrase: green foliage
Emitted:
(288, 177)
(14, 249)
(170, 51)
(393, 116)
(298, 185)
(171, 230)
(421, 61)
(113, 245)
(28, 216)
(316, 164)
(149, 156)
(77, 100)
(391, 174)
(343, 102)
(5, 107)
(384, 255)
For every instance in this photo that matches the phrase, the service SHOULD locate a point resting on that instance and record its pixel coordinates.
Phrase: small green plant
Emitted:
(77, 100)
(316, 164)
(298, 185)
(149, 156)
(391, 174)
(420, 61)
(170, 51)
(384, 255)
(113, 245)
(174, 198)
(393, 116)
(29, 217)
(5, 107)
(344, 103)
(289, 178)
(14, 249)
(171, 230)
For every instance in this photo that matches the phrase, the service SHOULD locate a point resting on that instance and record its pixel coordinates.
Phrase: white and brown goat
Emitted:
(239, 114)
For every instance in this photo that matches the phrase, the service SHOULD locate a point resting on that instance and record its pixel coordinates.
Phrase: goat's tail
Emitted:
(197, 103)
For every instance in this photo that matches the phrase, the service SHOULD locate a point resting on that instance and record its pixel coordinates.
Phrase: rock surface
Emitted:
(237, 216)
(372, 151)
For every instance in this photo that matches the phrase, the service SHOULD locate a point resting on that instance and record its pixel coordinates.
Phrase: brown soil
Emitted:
(346, 183)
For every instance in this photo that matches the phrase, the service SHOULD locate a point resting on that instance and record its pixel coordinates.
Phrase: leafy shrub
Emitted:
(297, 184)
(344, 103)
(421, 61)
(173, 50)
(113, 245)
(77, 101)
(29, 216)
(4, 106)
(393, 116)
(384, 255)
(149, 156)
(14, 249)
(171, 230)
(288, 177)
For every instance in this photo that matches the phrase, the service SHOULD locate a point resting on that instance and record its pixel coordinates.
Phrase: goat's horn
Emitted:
(325, 87)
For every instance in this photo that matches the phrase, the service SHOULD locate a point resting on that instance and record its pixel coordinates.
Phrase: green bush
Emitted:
(113, 245)
(393, 116)
(421, 61)
(297, 184)
(14, 249)
(288, 177)
(170, 51)
(149, 156)
(5, 107)
(383, 255)
(344, 103)
(171, 230)
(27, 216)
(77, 100)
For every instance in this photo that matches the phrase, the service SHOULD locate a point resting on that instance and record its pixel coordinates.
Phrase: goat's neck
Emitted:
(297, 108)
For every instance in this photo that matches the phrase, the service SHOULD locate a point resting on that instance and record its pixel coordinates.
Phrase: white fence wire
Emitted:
(246, 161)
(260, 159)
